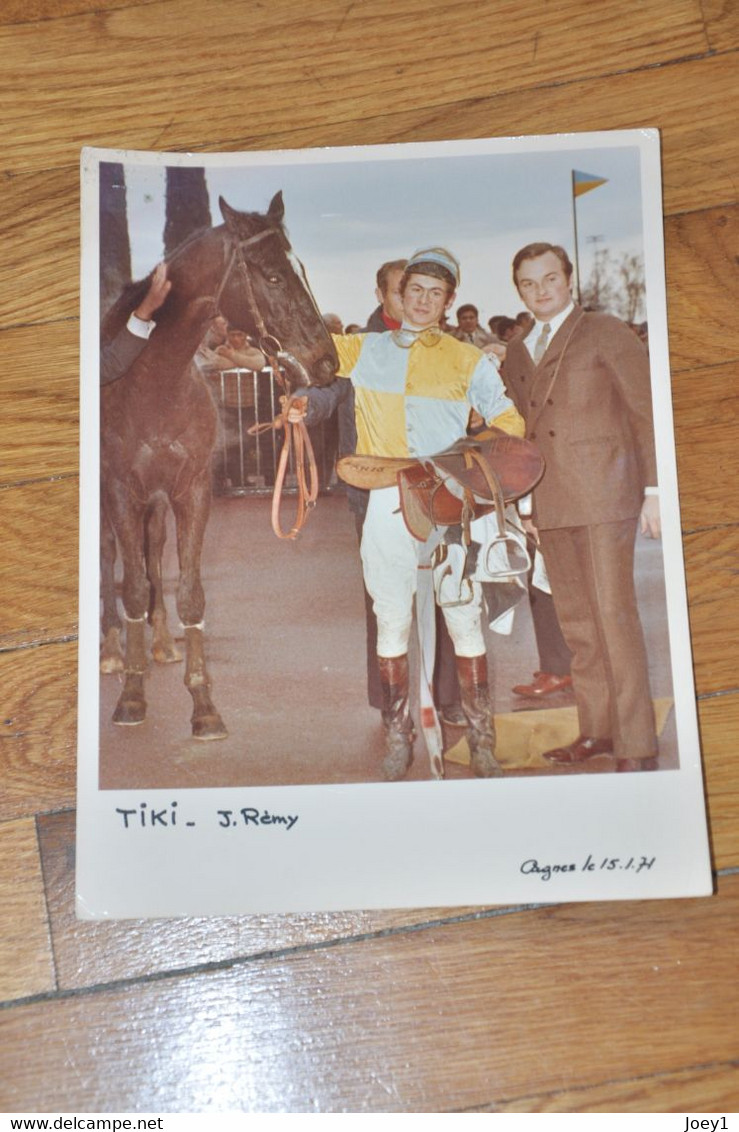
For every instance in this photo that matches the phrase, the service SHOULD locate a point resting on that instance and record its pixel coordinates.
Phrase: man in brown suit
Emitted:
(581, 381)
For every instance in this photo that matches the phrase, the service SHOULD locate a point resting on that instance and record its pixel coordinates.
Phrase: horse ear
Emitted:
(276, 210)
(229, 214)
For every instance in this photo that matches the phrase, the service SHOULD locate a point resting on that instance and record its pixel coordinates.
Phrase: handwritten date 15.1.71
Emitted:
(532, 867)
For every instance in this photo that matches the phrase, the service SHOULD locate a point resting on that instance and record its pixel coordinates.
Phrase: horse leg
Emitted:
(129, 526)
(191, 514)
(111, 652)
(163, 648)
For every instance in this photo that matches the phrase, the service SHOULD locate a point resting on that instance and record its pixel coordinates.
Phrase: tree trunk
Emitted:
(115, 247)
(188, 206)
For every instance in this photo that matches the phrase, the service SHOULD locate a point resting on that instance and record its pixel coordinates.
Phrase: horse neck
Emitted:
(198, 267)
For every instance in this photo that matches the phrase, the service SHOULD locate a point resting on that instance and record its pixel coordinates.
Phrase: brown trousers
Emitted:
(591, 571)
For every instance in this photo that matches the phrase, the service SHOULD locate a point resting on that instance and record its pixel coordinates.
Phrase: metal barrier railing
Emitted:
(246, 464)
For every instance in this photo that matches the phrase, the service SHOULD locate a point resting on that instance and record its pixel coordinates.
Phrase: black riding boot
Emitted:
(396, 717)
(475, 696)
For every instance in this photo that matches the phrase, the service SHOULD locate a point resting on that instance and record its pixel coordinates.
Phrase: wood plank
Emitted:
(41, 242)
(40, 398)
(429, 1020)
(513, 48)
(710, 566)
(722, 24)
(718, 718)
(706, 407)
(38, 569)
(38, 729)
(703, 246)
(711, 1089)
(26, 964)
(34, 11)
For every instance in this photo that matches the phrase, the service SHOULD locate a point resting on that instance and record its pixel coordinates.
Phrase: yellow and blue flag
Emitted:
(584, 182)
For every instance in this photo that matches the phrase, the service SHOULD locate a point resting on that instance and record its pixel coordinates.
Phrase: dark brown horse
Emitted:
(159, 426)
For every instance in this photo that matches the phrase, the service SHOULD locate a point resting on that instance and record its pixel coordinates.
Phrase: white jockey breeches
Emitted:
(390, 558)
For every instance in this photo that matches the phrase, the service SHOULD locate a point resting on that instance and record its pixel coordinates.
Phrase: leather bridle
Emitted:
(297, 442)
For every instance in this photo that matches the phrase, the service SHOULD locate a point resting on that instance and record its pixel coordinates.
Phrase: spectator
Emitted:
(468, 327)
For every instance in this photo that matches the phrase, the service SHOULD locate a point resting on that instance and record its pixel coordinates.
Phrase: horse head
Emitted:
(266, 290)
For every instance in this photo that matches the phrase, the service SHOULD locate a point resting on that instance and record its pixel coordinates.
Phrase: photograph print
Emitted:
(384, 493)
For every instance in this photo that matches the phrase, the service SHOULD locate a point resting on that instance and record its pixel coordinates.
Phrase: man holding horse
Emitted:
(414, 388)
(120, 354)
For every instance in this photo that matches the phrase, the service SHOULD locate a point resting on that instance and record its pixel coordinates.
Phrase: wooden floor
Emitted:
(621, 1007)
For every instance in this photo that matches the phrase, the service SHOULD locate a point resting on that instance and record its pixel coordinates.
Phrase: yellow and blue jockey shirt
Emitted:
(417, 401)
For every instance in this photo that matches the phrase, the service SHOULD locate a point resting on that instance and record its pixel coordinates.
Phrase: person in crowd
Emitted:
(468, 327)
(524, 321)
(413, 391)
(239, 352)
(581, 381)
(388, 315)
(504, 328)
(333, 323)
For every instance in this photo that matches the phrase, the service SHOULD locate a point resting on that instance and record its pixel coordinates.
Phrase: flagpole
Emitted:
(577, 252)
(581, 183)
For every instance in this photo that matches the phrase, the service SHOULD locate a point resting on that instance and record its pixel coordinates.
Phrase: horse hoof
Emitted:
(166, 654)
(129, 712)
(208, 727)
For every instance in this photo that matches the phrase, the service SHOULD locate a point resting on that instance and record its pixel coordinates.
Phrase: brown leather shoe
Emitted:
(580, 751)
(545, 684)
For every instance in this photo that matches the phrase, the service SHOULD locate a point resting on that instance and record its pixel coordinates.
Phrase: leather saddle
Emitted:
(473, 477)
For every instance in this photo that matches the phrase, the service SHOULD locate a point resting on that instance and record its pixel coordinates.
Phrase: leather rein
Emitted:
(297, 443)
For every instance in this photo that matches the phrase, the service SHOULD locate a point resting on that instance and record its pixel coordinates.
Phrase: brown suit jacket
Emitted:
(588, 407)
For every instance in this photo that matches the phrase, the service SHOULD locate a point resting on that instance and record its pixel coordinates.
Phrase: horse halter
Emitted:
(270, 346)
(297, 442)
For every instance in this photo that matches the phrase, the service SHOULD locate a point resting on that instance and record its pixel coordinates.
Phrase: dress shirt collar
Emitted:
(554, 325)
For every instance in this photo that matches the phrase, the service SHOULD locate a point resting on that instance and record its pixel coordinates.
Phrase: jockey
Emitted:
(414, 389)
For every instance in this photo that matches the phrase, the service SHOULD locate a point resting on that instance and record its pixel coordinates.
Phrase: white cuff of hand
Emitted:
(139, 327)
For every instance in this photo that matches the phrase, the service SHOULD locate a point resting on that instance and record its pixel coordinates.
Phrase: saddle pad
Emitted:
(372, 471)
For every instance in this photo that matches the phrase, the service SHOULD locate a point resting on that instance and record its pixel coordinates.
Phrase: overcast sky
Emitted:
(348, 210)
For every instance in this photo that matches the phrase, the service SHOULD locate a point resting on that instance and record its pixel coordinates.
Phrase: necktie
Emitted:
(541, 343)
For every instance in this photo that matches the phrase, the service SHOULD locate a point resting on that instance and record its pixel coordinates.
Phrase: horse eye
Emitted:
(273, 279)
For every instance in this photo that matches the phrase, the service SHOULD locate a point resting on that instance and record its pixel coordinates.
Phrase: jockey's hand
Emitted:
(650, 523)
(497, 349)
(159, 288)
(297, 409)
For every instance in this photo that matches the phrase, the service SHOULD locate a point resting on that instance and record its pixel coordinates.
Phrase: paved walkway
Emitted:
(285, 646)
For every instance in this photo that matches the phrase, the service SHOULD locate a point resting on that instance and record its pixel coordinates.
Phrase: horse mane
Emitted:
(117, 316)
